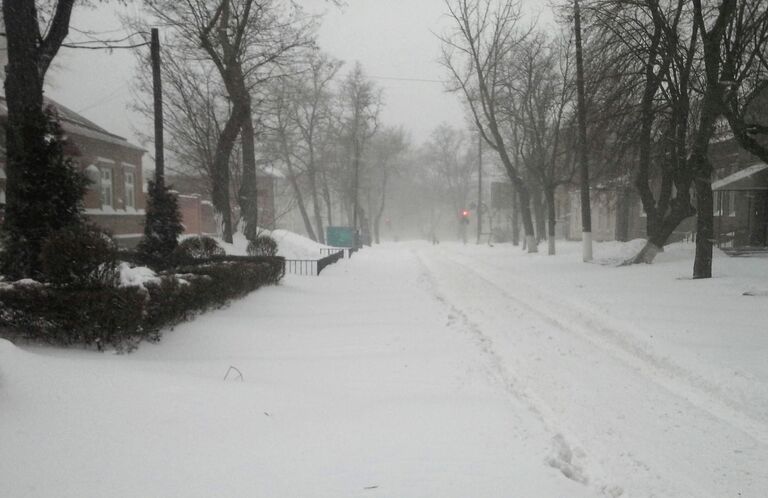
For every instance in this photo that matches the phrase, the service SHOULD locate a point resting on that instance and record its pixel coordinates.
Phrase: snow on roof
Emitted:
(74, 123)
(741, 179)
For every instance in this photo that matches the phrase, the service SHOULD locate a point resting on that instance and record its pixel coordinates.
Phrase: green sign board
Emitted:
(340, 237)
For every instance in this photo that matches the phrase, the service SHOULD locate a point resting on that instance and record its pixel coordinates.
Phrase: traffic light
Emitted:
(465, 217)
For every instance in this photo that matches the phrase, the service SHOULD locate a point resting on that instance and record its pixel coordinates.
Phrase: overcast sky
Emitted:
(391, 38)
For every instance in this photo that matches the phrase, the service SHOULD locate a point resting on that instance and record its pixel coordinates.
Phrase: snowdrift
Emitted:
(290, 245)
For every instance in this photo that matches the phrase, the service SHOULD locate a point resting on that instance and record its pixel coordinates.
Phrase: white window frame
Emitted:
(129, 189)
(106, 185)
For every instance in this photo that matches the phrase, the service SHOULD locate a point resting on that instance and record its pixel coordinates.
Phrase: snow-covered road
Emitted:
(641, 421)
(409, 371)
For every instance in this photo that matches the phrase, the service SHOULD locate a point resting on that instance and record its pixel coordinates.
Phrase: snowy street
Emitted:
(414, 370)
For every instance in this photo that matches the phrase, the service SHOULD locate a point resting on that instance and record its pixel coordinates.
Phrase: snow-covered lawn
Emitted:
(414, 370)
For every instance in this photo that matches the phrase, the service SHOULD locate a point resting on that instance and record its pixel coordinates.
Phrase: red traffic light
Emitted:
(465, 213)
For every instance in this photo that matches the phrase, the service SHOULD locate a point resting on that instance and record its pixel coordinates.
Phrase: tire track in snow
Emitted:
(690, 452)
(699, 392)
(566, 455)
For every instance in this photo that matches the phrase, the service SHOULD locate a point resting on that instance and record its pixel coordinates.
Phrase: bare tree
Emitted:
(660, 43)
(248, 41)
(452, 159)
(284, 136)
(386, 153)
(713, 34)
(194, 107)
(311, 112)
(359, 105)
(474, 53)
(537, 104)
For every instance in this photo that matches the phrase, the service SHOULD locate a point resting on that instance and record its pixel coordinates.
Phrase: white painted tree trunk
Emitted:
(586, 246)
(530, 242)
(551, 246)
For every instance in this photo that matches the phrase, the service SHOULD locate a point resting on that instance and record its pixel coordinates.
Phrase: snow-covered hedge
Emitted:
(121, 316)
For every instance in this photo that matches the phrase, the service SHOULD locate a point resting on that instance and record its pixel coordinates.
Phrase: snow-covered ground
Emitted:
(414, 370)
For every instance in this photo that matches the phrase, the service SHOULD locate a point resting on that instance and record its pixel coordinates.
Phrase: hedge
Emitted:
(123, 316)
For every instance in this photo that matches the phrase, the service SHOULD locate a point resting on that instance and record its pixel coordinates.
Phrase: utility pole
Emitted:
(157, 89)
(586, 210)
(479, 187)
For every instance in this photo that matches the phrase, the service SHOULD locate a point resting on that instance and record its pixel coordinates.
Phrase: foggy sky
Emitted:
(391, 38)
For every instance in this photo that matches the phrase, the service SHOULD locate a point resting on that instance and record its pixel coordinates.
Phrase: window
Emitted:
(732, 203)
(717, 204)
(130, 189)
(2, 196)
(106, 187)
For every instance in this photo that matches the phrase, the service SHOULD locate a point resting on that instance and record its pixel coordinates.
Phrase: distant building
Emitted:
(198, 216)
(741, 199)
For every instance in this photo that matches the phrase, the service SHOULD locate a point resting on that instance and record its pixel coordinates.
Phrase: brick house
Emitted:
(197, 211)
(115, 200)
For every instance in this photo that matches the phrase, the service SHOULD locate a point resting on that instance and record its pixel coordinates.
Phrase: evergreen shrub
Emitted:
(123, 316)
(198, 247)
(262, 245)
(80, 256)
(44, 193)
(162, 225)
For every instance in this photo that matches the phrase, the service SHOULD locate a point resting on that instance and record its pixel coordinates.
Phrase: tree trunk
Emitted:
(539, 215)
(702, 265)
(297, 190)
(221, 176)
(248, 200)
(551, 219)
(327, 199)
(515, 219)
(658, 235)
(380, 211)
(531, 243)
(316, 203)
(622, 215)
(586, 207)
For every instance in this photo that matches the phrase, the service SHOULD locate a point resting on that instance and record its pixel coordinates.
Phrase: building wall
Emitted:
(115, 215)
(197, 215)
(117, 159)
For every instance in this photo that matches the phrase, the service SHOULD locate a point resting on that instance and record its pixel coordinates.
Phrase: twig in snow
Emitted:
(239, 373)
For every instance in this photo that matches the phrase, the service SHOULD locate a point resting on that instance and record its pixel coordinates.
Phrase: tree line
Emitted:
(659, 76)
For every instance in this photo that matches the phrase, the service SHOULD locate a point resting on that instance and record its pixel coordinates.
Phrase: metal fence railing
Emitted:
(312, 267)
(347, 251)
(301, 266)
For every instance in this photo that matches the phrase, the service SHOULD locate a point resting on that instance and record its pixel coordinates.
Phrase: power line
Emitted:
(103, 99)
(417, 80)
(105, 47)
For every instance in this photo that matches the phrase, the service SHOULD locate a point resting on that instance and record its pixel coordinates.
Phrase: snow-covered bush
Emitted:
(80, 256)
(263, 245)
(121, 316)
(198, 247)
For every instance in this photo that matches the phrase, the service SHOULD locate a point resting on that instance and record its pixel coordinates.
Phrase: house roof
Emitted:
(76, 124)
(754, 177)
